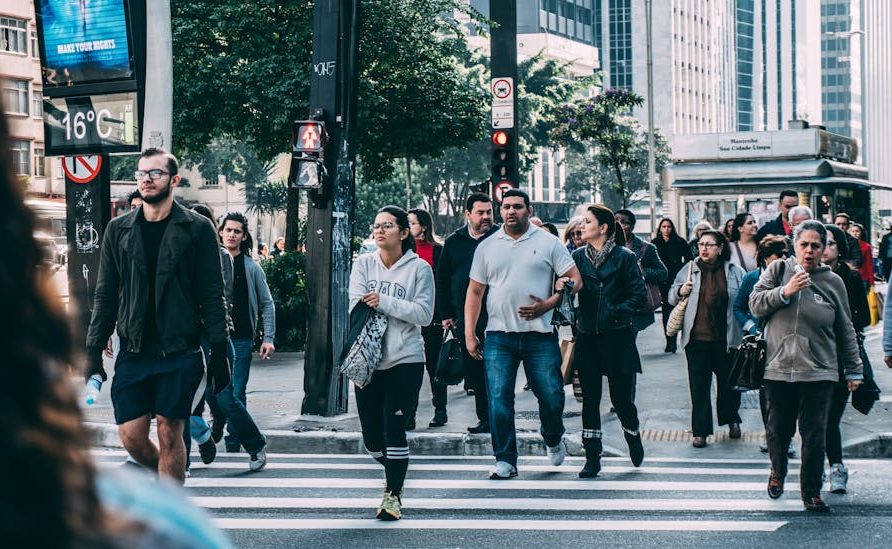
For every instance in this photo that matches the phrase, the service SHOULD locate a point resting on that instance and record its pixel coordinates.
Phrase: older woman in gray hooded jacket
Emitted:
(808, 333)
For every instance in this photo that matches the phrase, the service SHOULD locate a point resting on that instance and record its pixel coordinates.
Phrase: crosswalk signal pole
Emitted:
(333, 89)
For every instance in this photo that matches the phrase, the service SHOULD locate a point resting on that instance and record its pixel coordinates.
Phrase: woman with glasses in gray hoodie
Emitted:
(396, 282)
(809, 339)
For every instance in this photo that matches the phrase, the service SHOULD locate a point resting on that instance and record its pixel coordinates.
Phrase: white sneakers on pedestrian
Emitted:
(839, 478)
(503, 471)
(791, 450)
(558, 453)
(258, 461)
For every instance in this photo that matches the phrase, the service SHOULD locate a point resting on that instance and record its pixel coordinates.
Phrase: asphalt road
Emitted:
(329, 501)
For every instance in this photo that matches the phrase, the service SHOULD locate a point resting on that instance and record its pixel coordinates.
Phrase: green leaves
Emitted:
(604, 123)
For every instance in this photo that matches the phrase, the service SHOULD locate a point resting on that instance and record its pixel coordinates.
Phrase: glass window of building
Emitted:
(21, 156)
(37, 104)
(39, 162)
(15, 96)
(13, 35)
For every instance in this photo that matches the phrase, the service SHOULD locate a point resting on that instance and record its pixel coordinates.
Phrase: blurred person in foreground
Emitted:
(809, 340)
(53, 494)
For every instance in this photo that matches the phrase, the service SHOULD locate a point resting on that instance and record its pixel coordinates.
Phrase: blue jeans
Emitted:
(231, 410)
(541, 356)
(241, 370)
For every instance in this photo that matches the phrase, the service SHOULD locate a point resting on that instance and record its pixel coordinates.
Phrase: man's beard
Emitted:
(158, 198)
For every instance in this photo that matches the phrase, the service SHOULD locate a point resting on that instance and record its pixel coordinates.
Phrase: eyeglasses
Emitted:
(706, 245)
(382, 226)
(577, 233)
(154, 175)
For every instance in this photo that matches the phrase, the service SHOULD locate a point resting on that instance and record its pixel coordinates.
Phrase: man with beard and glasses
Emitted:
(452, 286)
(517, 267)
(160, 281)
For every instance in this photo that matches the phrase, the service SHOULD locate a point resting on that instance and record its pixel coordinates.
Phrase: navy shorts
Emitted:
(145, 385)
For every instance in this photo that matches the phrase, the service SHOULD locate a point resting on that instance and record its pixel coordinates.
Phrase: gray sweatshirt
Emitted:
(406, 293)
(810, 335)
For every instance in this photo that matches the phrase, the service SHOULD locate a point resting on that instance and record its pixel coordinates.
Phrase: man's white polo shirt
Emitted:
(516, 269)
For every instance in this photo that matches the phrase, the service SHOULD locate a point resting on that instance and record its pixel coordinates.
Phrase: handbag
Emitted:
(568, 352)
(654, 297)
(748, 366)
(564, 314)
(450, 362)
(360, 360)
(868, 393)
(676, 317)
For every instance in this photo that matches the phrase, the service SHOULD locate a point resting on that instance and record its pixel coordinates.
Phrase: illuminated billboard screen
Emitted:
(84, 41)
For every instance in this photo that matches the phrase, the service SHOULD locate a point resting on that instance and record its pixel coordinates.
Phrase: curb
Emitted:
(350, 442)
(878, 445)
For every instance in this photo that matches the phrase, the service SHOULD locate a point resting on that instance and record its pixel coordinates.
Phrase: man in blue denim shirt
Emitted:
(518, 265)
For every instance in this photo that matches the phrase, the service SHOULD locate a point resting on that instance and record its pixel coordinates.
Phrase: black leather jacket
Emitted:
(611, 294)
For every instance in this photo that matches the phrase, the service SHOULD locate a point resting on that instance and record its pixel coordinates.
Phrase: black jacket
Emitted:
(673, 253)
(611, 294)
(453, 275)
(860, 311)
(189, 301)
(775, 226)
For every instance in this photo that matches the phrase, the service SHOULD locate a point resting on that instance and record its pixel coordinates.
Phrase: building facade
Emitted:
(877, 88)
(841, 61)
(22, 99)
(778, 63)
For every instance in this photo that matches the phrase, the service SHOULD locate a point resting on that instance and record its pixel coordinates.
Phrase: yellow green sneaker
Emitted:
(390, 507)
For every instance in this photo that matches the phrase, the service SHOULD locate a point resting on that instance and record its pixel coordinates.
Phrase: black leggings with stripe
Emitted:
(383, 406)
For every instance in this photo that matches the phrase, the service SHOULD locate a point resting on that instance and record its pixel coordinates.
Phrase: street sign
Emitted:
(82, 169)
(502, 102)
(500, 189)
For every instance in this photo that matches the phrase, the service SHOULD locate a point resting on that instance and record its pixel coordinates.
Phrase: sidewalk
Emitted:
(275, 392)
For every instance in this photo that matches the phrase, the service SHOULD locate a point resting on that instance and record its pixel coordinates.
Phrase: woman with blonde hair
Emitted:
(573, 234)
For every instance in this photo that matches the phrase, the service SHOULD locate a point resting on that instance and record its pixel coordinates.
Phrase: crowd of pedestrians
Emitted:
(185, 297)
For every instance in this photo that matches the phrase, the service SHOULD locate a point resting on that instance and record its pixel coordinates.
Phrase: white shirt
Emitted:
(516, 269)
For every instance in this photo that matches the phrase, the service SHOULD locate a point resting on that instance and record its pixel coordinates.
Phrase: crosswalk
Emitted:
(340, 492)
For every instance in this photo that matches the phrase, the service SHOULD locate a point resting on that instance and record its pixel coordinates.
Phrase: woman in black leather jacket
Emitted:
(613, 291)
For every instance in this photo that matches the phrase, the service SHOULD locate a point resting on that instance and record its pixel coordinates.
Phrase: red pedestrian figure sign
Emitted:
(309, 137)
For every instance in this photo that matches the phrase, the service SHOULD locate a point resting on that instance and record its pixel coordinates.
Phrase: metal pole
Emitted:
(651, 145)
(157, 130)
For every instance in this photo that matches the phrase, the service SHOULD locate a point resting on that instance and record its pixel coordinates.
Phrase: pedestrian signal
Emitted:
(309, 136)
(503, 156)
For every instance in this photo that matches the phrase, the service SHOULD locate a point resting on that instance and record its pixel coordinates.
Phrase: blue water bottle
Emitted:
(94, 384)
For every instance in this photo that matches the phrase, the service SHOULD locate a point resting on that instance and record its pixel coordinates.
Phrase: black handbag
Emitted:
(564, 314)
(748, 367)
(450, 363)
(868, 392)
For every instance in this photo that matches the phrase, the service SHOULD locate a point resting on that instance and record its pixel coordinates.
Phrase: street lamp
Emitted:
(651, 156)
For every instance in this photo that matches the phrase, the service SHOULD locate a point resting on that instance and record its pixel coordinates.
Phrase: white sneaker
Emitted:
(258, 461)
(558, 453)
(791, 450)
(502, 471)
(839, 478)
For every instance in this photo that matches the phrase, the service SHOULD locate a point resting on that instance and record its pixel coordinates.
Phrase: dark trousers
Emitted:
(382, 406)
(433, 341)
(475, 378)
(809, 403)
(706, 358)
(667, 310)
(838, 402)
(621, 386)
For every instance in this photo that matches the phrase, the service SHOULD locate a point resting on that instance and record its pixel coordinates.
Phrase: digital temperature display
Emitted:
(91, 124)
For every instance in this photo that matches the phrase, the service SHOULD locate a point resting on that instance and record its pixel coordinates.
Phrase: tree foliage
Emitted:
(602, 122)
(586, 175)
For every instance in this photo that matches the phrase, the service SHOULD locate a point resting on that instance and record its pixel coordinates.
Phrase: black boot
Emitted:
(592, 466)
(440, 418)
(671, 344)
(636, 449)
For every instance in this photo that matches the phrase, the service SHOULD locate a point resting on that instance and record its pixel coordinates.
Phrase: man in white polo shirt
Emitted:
(518, 265)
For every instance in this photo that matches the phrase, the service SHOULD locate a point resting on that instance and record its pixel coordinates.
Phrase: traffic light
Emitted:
(504, 156)
(308, 155)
